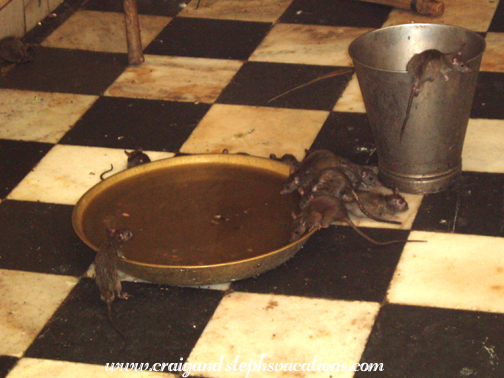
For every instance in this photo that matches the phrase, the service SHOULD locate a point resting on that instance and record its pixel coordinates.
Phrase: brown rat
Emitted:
(315, 162)
(321, 211)
(14, 50)
(426, 67)
(311, 166)
(137, 157)
(290, 160)
(106, 276)
(334, 182)
(379, 204)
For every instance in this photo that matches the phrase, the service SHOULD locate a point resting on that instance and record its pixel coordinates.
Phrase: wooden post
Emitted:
(135, 55)
(427, 7)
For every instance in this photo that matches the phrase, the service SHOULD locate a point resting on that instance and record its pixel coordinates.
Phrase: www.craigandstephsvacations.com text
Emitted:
(245, 366)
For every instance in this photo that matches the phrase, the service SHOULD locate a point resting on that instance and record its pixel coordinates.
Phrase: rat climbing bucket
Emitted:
(429, 156)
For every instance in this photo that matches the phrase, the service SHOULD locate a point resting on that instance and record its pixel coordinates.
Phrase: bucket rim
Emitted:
(411, 25)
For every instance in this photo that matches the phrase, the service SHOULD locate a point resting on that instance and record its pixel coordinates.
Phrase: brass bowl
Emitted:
(196, 220)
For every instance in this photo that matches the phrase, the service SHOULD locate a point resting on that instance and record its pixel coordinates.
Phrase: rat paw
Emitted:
(124, 296)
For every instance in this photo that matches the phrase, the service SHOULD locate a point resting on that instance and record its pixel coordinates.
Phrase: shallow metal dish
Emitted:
(196, 220)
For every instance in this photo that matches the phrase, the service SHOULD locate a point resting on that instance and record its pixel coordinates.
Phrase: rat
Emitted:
(334, 182)
(106, 276)
(137, 157)
(290, 160)
(321, 211)
(379, 204)
(426, 67)
(308, 170)
(14, 50)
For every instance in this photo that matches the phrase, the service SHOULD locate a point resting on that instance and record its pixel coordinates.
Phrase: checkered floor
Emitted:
(423, 310)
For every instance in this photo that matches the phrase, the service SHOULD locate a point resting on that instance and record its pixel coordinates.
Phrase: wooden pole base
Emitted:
(135, 55)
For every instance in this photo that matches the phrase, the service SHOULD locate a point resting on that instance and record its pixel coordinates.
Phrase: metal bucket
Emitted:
(429, 157)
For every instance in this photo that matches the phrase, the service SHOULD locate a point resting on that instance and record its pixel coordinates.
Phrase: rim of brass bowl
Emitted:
(193, 275)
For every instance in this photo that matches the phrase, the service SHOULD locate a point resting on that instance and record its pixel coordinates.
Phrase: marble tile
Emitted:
(484, 146)
(53, 4)
(67, 172)
(451, 271)
(40, 116)
(102, 31)
(308, 44)
(255, 130)
(35, 10)
(28, 301)
(175, 79)
(242, 10)
(67, 71)
(493, 57)
(351, 100)
(475, 16)
(209, 38)
(336, 13)
(34, 367)
(12, 20)
(329, 332)
(17, 159)
(423, 342)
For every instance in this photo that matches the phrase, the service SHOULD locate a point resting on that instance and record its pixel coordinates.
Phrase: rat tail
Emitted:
(109, 310)
(408, 109)
(377, 242)
(368, 214)
(110, 170)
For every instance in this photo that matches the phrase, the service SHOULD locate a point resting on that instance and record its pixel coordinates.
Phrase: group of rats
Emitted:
(331, 187)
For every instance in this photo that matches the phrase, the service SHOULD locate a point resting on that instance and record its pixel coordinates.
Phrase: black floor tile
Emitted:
(336, 13)
(168, 8)
(129, 123)
(475, 205)
(17, 158)
(435, 343)
(207, 38)
(38, 237)
(489, 96)
(335, 263)
(6, 364)
(161, 324)
(348, 135)
(497, 24)
(67, 71)
(257, 83)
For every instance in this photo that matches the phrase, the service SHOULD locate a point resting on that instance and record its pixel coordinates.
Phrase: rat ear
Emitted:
(110, 230)
(127, 153)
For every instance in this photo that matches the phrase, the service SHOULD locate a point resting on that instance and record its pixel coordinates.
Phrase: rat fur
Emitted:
(321, 211)
(334, 182)
(379, 204)
(427, 66)
(106, 276)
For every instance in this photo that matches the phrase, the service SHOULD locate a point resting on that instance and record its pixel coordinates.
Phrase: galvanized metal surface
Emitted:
(196, 220)
(429, 157)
